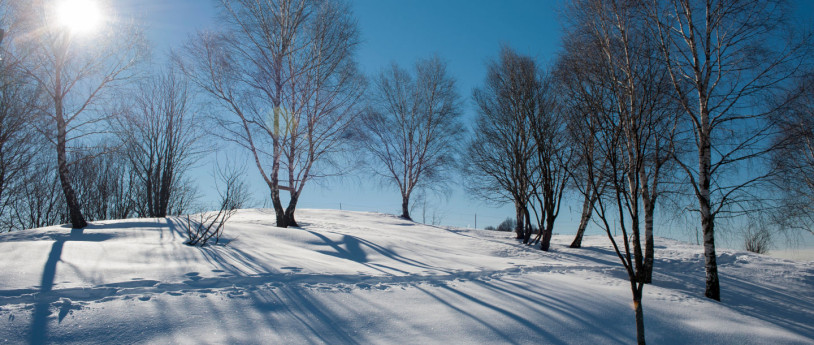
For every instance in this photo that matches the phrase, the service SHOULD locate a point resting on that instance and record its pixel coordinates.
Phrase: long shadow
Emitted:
(352, 250)
(177, 226)
(386, 252)
(228, 260)
(511, 315)
(469, 315)
(595, 259)
(560, 306)
(741, 293)
(744, 294)
(42, 309)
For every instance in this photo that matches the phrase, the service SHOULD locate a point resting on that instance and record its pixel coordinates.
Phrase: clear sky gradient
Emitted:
(465, 33)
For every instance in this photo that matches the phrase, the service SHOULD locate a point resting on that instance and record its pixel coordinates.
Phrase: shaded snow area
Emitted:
(366, 278)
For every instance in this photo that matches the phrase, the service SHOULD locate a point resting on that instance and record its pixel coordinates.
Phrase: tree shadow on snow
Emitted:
(42, 308)
(752, 295)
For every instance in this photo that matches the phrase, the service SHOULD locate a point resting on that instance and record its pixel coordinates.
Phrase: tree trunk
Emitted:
(405, 207)
(549, 231)
(279, 212)
(526, 226)
(637, 304)
(587, 209)
(713, 288)
(74, 210)
(649, 250)
(164, 190)
(289, 212)
(518, 228)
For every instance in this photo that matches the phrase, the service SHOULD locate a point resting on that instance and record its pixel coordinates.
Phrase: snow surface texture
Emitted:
(362, 278)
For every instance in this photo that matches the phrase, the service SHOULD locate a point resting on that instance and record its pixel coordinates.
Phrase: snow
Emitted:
(359, 278)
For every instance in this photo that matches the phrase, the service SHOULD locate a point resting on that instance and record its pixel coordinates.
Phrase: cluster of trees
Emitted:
(87, 133)
(280, 79)
(695, 100)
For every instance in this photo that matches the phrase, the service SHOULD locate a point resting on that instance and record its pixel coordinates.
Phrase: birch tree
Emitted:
(284, 71)
(634, 129)
(583, 98)
(412, 127)
(794, 159)
(549, 169)
(77, 72)
(503, 146)
(723, 57)
(18, 102)
(160, 133)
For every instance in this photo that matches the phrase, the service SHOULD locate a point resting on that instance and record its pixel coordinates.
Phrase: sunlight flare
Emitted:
(79, 16)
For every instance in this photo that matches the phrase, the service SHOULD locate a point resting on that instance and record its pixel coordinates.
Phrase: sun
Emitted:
(78, 15)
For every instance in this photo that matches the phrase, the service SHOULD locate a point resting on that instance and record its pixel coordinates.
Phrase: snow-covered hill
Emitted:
(361, 278)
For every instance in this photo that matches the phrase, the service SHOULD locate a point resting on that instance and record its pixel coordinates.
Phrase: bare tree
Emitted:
(18, 97)
(75, 72)
(634, 127)
(503, 147)
(722, 58)
(285, 70)
(631, 252)
(549, 177)
(102, 181)
(160, 133)
(38, 202)
(583, 98)
(794, 158)
(644, 112)
(412, 127)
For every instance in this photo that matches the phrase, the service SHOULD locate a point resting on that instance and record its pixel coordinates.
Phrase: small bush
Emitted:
(234, 194)
(758, 241)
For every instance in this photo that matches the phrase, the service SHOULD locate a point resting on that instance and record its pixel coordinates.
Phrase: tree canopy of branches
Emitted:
(285, 71)
(794, 160)
(503, 147)
(76, 73)
(520, 150)
(18, 97)
(549, 168)
(103, 182)
(412, 127)
(160, 133)
(584, 100)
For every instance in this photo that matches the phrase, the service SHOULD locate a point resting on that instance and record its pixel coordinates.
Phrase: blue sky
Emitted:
(465, 33)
